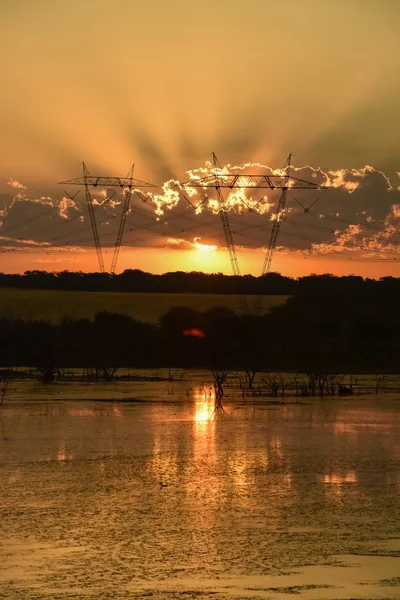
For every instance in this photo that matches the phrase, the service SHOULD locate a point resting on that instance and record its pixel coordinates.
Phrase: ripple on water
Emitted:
(154, 500)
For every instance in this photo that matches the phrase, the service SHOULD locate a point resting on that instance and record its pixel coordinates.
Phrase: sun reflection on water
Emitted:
(204, 409)
(338, 478)
(63, 453)
(82, 412)
(336, 481)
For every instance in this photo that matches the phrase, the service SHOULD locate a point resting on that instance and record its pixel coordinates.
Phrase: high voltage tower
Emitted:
(277, 221)
(273, 238)
(223, 213)
(220, 180)
(128, 185)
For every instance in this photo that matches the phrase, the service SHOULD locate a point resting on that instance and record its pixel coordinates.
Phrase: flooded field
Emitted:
(157, 496)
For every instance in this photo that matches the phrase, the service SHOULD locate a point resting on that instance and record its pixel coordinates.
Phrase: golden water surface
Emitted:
(166, 498)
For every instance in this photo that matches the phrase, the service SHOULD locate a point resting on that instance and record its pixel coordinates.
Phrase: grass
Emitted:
(52, 305)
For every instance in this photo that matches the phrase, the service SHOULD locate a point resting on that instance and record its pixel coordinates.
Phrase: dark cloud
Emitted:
(359, 212)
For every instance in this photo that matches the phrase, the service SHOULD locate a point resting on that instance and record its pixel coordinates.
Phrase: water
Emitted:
(165, 499)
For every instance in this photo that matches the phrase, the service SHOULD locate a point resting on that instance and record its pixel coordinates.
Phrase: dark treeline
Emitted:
(199, 283)
(334, 330)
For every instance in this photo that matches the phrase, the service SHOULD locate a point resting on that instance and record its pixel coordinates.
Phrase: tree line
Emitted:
(324, 332)
(134, 280)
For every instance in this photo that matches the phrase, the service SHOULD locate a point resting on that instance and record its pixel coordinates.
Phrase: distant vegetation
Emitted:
(340, 326)
(54, 305)
(190, 283)
(138, 281)
(147, 297)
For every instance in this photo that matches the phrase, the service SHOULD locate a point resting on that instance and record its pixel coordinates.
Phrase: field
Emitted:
(52, 305)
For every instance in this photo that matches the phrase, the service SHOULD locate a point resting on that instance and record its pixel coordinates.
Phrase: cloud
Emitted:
(358, 212)
(344, 240)
(350, 179)
(16, 184)
(167, 200)
(10, 241)
(177, 244)
(242, 200)
(395, 211)
(65, 206)
(44, 261)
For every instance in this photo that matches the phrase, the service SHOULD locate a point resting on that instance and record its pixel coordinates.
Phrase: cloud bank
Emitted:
(357, 212)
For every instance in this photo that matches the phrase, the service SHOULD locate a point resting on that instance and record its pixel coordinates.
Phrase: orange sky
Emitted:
(155, 261)
(163, 84)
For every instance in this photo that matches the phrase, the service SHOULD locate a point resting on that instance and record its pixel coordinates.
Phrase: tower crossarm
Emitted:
(121, 182)
(239, 180)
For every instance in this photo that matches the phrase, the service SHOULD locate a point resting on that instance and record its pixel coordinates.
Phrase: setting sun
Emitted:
(203, 247)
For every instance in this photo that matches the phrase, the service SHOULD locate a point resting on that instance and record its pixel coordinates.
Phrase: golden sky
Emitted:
(163, 84)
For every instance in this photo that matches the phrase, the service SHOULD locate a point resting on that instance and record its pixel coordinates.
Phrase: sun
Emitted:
(203, 247)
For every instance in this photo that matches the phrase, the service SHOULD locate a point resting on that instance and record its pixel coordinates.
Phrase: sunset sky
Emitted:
(162, 85)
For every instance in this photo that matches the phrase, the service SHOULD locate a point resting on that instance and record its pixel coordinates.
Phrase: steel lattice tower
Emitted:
(128, 184)
(220, 180)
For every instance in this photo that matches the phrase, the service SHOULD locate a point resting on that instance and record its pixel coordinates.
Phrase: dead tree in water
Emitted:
(272, 383)
(322, 379)
(107, 373)
(220, 376)
(95, 373)
(316, 381)
(47, 373)
(312, 379)
(245, 382)
(325, 383)
(242, 382)
(250, 375)
(3, 391)
(176, 374)
(379, 383)
(276, 382)
(88, 374)
(345, 390)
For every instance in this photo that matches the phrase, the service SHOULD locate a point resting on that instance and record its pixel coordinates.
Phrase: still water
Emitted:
(161, 497)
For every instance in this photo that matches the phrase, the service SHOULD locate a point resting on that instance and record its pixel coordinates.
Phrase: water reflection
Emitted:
(164, 459)
(82, 412)
(339, 478)
(63, 453)
(204, 428)
(204, 408)
(349, 429)
(241, 494)
(14, 476)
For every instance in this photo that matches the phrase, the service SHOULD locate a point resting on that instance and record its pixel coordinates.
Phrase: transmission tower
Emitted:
(226, 227)
(126, 183)
(125, 210)
(220, 180)
(273, 238)
(92, 216)
(277, 221)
